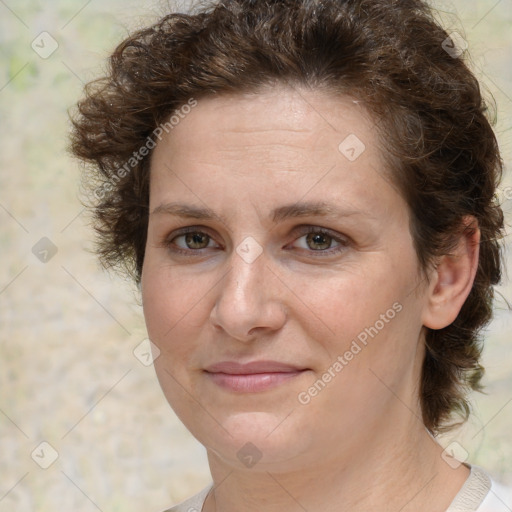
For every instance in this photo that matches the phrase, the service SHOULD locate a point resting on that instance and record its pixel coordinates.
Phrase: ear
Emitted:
(452, 278)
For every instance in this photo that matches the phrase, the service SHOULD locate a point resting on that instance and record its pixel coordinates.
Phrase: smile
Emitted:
(252, 377)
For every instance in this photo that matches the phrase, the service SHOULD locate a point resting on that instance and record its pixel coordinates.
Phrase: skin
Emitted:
(360, 440)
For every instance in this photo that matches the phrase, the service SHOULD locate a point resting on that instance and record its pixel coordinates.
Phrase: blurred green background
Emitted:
(68, 375)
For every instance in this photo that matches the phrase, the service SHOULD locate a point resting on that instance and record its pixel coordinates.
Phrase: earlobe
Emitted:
(452, 278)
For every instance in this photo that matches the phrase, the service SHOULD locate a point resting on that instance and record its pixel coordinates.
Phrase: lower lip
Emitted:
(254, 382)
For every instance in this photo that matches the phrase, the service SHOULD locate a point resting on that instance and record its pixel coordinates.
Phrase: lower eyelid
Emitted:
(170, 243)
(338, 241)
(341, 241)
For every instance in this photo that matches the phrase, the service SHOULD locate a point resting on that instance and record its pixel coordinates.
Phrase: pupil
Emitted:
(195, 238)
(319, 239)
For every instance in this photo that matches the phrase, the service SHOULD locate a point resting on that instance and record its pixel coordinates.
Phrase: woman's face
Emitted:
(275, 239)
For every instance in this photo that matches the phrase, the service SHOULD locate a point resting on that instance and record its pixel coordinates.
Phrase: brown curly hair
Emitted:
(392, 56)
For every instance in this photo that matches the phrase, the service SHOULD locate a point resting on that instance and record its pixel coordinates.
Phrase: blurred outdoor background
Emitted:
(68, 373)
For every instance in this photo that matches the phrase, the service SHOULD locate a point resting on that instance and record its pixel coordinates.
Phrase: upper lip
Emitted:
(235, 368)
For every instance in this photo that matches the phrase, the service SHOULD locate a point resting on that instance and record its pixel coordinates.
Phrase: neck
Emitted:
(398, 469)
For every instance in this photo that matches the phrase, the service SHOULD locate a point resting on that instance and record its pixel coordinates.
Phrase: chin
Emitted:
(260, 441)
(263, 432)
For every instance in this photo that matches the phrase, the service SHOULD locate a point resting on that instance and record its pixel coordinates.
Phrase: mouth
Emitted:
(252, 377)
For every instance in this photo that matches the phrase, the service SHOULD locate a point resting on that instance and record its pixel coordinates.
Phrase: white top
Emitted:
(480, 493)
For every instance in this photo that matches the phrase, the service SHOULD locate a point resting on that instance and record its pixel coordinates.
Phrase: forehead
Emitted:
(298, 113)
(280, 141)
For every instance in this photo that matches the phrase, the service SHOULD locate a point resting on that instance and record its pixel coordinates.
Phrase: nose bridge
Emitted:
(245, 300)
(245, 279)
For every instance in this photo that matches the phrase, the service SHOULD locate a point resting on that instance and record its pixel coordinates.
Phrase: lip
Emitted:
(252, 377)
(235, 368)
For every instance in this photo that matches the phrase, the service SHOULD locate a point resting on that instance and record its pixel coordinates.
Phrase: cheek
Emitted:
(370, 316)
(348, 301)
(174, 307)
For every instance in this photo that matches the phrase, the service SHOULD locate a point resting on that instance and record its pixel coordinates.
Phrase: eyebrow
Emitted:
(304, 209)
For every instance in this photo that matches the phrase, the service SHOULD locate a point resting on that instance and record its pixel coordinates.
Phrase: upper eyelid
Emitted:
(185, 231)
(189, 229)
(207, 230)
(305, 228)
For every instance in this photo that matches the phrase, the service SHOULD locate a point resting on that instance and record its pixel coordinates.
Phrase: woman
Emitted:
(305, 193)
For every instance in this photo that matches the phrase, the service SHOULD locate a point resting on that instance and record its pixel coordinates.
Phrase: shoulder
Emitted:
(193, 504)
(498, 499)
(481, 493)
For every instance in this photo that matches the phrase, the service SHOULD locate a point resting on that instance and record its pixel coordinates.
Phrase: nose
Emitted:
(250, 297)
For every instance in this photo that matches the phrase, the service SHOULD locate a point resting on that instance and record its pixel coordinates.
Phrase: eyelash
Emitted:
(304, 231)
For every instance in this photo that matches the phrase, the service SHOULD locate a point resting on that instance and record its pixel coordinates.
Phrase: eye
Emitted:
(195, 240)
(190, 240)
(321, 241)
